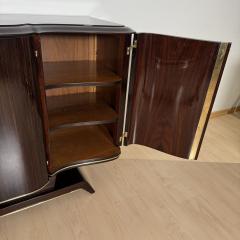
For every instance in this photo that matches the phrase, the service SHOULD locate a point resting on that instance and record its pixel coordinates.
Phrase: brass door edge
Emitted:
(208, 100)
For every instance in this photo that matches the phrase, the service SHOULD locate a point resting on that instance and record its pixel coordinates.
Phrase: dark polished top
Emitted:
(15, 24)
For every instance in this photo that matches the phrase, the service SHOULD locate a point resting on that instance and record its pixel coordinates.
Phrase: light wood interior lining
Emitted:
(76, 145)
(82, 71)
(110, 52)
(60, 48)
(68, 48)
(69, 90)
(104, 49)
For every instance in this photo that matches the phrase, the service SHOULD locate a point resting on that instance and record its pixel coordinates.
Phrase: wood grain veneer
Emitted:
(111, 50)
(60, 47)
(78, 99)
(62, 74)
(69, 90)
(22, 154)
(80, 47)
(172, 78)
(80, 145)
(42, 93)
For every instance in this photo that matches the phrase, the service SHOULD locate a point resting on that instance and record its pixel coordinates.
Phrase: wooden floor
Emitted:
(146, 195)
(222, 141)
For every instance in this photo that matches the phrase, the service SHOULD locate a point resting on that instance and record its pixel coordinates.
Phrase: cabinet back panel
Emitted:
(111, 51)
(68, 47)
(22, 155)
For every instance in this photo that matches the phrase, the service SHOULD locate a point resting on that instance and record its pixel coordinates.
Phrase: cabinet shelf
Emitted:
(78, 73)
(78, 109)
(81, 115)
(80, 99)
(79, 146)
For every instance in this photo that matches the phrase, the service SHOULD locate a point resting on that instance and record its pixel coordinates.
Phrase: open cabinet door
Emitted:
(172, 92)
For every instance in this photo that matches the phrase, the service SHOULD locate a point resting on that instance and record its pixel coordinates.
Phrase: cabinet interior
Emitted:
(83, 76)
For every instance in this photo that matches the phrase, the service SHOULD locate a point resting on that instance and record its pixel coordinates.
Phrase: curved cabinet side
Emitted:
(22, 155)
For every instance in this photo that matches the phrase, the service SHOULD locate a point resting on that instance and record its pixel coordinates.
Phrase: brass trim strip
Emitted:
(85, 164)
(127, 90)
(208, 100)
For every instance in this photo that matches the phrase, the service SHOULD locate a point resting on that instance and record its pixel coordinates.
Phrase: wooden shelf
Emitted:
(78, 109)
(80, 145)
(62, 101)
(81, 115)
(77, 73)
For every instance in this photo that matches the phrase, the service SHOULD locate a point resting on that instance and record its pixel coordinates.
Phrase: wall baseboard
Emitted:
(224, 112)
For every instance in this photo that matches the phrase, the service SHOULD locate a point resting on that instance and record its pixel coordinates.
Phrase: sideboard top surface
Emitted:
(17, 24)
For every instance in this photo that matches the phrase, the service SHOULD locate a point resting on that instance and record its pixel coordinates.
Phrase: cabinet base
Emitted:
(64, 182)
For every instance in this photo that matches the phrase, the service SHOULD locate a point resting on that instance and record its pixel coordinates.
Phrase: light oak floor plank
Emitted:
(222, 140)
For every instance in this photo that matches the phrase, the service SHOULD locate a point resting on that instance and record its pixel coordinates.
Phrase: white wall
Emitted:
(204, 19)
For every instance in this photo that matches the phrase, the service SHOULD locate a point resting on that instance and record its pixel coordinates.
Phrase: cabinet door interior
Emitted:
(84, 75)
(22, 154)
(172, 93)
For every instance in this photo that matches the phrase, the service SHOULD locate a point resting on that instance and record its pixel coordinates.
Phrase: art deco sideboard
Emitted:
(73, 89)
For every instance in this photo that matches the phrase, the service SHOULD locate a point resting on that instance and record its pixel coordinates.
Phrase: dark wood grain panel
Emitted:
(22, 154)
(78, 73)
(81, 145)
(171, 82)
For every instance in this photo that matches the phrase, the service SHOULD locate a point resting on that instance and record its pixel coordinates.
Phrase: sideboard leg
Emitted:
(87, 186)
(86, 179)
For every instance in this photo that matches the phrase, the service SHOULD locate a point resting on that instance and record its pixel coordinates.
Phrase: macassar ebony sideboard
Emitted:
(74, 89)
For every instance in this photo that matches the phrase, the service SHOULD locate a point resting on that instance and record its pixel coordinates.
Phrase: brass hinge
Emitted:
(134, 45)
(124, 135)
